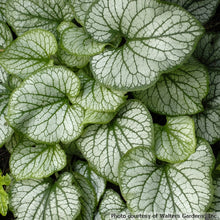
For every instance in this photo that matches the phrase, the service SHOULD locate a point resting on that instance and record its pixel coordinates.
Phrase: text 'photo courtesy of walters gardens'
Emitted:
(109, 109)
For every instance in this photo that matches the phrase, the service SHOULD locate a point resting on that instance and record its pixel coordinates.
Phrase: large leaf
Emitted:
(169, 188)
(155, 41)
(40, 107)
(4, 180)
(36, 161)
(208, 50)
(77, 42)
(112, 206)
(45, 199)
(104, 145)
(97, 181)
(87, 199)
(5, 35)
(208, 122)
(203, 10)
(24, 15)
(179, 92)
(96, 97)
(175, 141)
(29, 53)
(5, 130)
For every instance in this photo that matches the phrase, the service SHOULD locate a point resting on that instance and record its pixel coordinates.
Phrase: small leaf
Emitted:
(208, 50)
(81, 8)
(112, 206)
(215, 206)
(97, 181)
(207, 123)
(88, 197)
(5, 35)
(96, 97)
(104, 145)
(4, 180)
(34, 162)
(170, 188)
(175, 141)
(24, 15)
(203, 10)
(29, 53)
(45, 200)
(77, 42)
(41, 110)
(94, 117)
(156, 38)
(179, 92)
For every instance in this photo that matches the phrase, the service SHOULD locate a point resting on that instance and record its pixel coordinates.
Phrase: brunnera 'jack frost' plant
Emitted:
(84, 86)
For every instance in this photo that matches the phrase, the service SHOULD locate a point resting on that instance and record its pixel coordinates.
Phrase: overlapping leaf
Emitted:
(157, 37)
(104, 145)
(36, 161)
(175, 189)
(175, 141)
(44, 199)
(40, 107)
(24, 15)
(5, 35)
(208, 122)
(96, 97)
(29, 53)
(203, 10)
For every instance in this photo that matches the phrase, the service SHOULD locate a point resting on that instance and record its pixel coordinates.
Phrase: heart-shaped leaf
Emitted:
(97, 181)
(169, 188)
(179, 92)
(87, 199)
(24, 15)
(45, 199)
(5, 35)
(208, 50)
(112, 206)
(207, 123)
(40, 107)
(29, 53)
(104, 145)
(157, 37)
(175, 141)
(4, 180)
(203, 10)
(96, 97)
(29, 160)
(5, 130)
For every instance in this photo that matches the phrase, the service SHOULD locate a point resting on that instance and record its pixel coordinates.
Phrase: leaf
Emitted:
(94, 117)
(4, 180)
(104, 145)
(81, 8)
(208, 51)
(207, 123)
(29, 53)
(87, 199)
(113, 206)
(24, 15)
(5, 35)
(77, 42)
(175, 141)
(96, 97)
(169, 188)
(215, 206)
(40, 107)
(5, 130)
(44, 199)
(2, 10)
(97, 181)
(203, 10)
(156, 38)
(30, 161)
(12, 143)
(179, 92)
